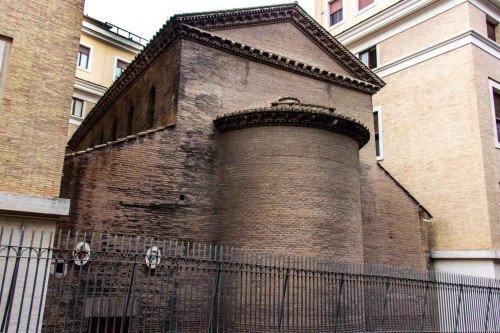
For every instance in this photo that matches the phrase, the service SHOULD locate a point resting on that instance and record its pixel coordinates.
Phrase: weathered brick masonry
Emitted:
(35, 95)
(297, 189)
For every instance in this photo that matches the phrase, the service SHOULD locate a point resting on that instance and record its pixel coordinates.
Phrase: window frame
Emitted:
(55, 272)
(490, 21)
(91, 52)
(73, 107)
(328, 18)
(377, 56)
(493, 87)
(117, 58)
(358, 11)
(4, 61)
(150, 112)
(380, 156)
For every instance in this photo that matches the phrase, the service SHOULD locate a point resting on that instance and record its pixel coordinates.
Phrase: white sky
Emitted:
(145, 17)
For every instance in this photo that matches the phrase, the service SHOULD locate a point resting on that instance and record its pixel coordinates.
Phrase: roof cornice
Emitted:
(282, 13)
(276, 60)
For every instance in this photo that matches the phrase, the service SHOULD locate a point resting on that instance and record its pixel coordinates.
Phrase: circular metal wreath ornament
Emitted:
(153, 257)
(81, 253)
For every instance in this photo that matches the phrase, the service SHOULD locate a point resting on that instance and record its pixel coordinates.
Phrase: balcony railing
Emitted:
(124, 33)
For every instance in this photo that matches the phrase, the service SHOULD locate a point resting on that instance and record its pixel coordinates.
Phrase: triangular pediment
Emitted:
(284, 29)
(285, 39)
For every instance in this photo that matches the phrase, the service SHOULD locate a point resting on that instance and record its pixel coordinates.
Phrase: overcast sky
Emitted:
(145, 17)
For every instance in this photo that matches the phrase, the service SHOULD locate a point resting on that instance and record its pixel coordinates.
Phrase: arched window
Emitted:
(113, 130)
(151, 108)
(130, 121)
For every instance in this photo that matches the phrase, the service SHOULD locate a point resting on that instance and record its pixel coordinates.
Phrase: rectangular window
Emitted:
(83, 57)
(496, 103)
(369, 57)
(77, 107)
(377, 124)
(120, 67)
(336, 13)
(59, 268)
(496, 98)
(5, 44)
(490, 27)
(364, 3)
(495, 109)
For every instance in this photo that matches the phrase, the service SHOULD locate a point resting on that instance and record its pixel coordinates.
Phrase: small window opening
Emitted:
(130, 120)
(491, 26)
(59, 268)
(113, 130)
(369, 57)
(151, 108)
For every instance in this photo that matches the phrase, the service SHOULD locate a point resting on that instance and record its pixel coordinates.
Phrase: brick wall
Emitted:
(291, 189)
(37, 93)
(439, 159)
(163, 75)
(135, 186)
(428, 33)
(486, 68)
(394, 229)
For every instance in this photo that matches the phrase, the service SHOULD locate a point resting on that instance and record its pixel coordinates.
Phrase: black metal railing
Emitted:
(102, 283)
(126, 34)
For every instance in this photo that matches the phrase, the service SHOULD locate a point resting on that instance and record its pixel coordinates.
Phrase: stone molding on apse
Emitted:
(288, 111)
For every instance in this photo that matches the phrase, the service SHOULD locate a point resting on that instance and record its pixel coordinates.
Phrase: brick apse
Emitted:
(250, 128)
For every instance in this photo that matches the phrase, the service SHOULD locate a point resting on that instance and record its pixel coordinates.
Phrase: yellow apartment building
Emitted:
(104, 52)
(438, 119)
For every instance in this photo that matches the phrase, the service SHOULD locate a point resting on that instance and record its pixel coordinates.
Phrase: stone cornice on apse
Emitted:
(176, 29)
(289, 112)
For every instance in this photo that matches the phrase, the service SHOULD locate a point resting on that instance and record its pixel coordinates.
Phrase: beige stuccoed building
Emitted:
(438, 118)
(104, 52)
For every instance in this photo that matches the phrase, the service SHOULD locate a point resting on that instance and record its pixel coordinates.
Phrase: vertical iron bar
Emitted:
(130, 293)
(487, 310)
(38, 255)
(339, 298)
(458, 308)
(7, 257)
(424, 307)
(285, 289)
(25, 282)
(10, 296)
(385, 303)
(49, 253)
(214, 296)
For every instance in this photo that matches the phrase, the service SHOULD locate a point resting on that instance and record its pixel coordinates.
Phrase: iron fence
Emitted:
(102, 283)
